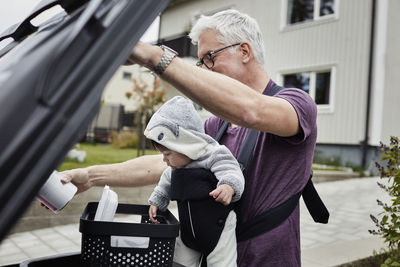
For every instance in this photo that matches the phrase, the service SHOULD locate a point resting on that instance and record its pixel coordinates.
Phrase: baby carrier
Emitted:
(201, 218)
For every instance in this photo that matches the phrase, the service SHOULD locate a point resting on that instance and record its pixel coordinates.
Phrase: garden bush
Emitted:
(124, 139)
(389, 225)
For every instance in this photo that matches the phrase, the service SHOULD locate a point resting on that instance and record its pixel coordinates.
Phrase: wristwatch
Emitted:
(166, 59)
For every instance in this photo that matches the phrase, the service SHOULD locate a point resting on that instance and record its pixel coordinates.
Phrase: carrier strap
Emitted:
(273, 217)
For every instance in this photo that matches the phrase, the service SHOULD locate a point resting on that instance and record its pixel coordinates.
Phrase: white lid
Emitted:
(107, 205)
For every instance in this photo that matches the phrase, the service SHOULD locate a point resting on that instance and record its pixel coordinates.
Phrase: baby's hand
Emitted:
(223, 194)
(153, 213)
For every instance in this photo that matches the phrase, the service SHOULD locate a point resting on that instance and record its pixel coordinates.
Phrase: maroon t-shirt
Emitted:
(281, 167)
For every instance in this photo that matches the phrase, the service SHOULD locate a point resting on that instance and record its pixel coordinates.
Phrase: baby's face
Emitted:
(175, 159)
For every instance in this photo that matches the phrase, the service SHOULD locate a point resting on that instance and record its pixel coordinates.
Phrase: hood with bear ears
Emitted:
(177, 126)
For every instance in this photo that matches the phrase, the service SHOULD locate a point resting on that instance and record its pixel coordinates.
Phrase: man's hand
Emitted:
(223, 194)
(153, 213)
(145, 55)
(134, 57)
(79, 177)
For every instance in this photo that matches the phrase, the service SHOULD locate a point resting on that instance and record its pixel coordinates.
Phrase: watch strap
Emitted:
(166, 59)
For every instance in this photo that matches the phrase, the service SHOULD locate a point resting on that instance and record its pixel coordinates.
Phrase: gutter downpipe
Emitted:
(369, 87)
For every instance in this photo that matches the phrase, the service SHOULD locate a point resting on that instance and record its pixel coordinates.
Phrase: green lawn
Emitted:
(105, 154)
(101, 154)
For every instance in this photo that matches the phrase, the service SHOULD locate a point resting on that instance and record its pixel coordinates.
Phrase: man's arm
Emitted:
(140, 171)
(225, 97)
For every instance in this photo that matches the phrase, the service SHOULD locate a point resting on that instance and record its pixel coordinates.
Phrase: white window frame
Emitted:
(317, 19)
(322, 108)
(317, 4)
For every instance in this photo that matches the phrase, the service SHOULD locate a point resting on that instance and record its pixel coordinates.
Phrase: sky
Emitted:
(14, 11)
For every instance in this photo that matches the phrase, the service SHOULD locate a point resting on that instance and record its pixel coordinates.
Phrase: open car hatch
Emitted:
(51, 80)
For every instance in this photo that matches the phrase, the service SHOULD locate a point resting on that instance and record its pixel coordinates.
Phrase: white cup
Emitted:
(54, 194)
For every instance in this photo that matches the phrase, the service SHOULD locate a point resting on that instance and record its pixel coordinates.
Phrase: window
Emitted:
(317, 84)
(300, 11)
(126, 75)
(298, 80)
(322, 88)
(326, 7)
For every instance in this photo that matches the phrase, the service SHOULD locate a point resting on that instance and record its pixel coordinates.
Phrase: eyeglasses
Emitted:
(208, 59)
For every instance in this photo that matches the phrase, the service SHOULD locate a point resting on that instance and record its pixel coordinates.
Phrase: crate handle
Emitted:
(129, 241)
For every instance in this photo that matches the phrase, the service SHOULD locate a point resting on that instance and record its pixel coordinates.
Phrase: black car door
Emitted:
(51, 82)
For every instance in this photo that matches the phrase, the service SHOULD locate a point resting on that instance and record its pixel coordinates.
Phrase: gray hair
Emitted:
(233, 27)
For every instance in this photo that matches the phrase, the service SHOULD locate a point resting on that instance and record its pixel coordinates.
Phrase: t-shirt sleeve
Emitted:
(306, 110)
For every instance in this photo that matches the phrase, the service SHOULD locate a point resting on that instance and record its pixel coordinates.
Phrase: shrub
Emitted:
(125, 139)
(389, 225)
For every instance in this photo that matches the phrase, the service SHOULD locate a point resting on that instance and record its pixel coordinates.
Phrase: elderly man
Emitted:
(231, 82)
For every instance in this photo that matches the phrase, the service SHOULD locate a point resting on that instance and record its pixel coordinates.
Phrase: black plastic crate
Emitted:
(96, 238)
(60, 260)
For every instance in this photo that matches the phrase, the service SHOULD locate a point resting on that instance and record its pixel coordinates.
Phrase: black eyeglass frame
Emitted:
(210, 55)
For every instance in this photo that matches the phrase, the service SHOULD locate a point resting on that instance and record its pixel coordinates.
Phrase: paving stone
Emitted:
(60, 243)
(14, 258)
(8, 248)
(306, 243)
(68, 249)
(22, 237)
(39, 251)
(26, 244)
(43, 232)
(51, 236)
(326, 232)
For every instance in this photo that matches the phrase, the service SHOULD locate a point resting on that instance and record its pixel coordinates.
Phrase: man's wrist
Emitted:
(94, 176)
(166, 58)
(156, 53)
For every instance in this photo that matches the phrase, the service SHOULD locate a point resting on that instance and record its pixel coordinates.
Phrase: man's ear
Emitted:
(246, 51)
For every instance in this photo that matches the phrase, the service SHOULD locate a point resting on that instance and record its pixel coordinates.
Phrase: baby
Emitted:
(204, 178)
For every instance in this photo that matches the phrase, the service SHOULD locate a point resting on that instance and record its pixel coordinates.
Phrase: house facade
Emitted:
(343, 53)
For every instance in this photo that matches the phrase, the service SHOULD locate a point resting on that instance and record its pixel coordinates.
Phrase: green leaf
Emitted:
(384, 219)
(388, 261)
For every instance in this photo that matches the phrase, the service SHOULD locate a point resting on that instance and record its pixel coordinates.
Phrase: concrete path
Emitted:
(344, 239)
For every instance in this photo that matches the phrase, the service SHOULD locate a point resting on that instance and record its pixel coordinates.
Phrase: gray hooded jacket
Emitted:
(178, 127)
